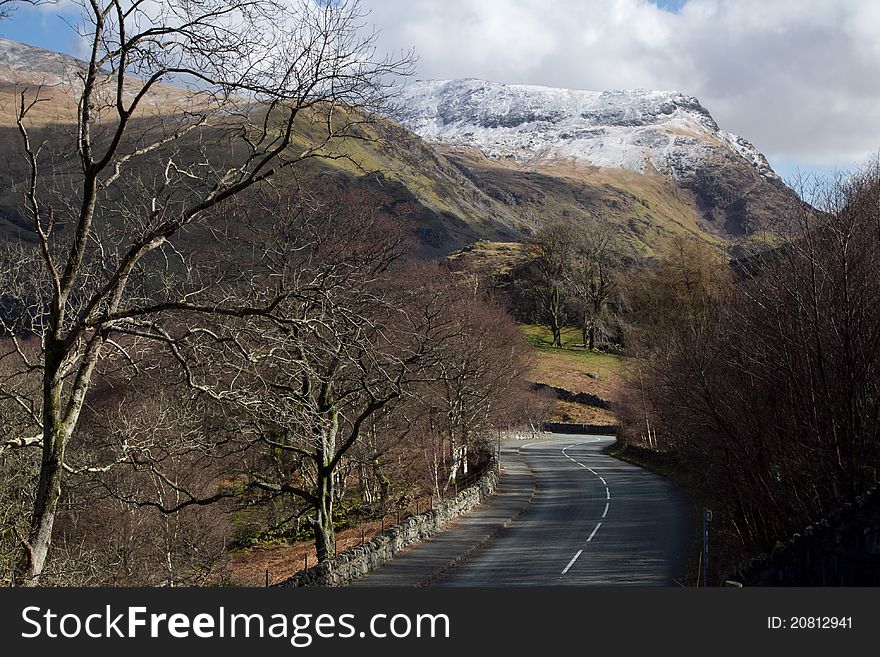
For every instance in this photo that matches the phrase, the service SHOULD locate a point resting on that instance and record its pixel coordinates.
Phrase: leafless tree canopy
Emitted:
(570, 279)
(130, 211)
(762, 380)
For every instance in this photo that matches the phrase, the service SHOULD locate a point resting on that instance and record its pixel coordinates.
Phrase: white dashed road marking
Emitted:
(607, 504)
(571, 563)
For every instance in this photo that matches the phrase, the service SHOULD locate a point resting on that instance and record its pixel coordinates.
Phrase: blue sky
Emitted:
(41, 27)
(670, 5)
(795, 77)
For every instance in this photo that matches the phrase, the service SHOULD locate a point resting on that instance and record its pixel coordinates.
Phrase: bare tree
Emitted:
(592, 282)
(543, 277)
(570, 278)
(474, 389)
(354, 344)
(123, 222)
(299, 387)
(763, 385)
(480, 369)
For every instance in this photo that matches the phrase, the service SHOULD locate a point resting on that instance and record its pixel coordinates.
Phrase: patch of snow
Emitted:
(637, 130)
(37, 65)
(750, 153)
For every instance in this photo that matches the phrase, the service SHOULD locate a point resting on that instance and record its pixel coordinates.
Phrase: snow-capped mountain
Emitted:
(663, 135)
(29, 64)
(637, 130)
(552, 154)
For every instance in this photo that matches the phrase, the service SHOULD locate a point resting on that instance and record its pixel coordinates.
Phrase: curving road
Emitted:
(566, 514)
(594, 520)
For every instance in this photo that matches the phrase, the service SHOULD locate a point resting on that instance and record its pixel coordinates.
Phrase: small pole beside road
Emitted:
(707, 518)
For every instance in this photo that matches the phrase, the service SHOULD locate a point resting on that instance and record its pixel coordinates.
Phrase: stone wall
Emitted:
(359, 561)
(841, 550)
(587, 429)
(585, 398)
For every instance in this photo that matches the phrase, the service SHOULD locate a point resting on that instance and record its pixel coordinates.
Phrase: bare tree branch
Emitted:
(8, 7)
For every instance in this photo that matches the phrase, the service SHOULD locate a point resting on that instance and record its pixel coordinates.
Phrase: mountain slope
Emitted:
(496, 162)
(409, 178)
(650, 133)
(31, 65)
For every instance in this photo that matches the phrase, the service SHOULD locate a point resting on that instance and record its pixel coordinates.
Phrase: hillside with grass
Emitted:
(450, 197)
(576, 370)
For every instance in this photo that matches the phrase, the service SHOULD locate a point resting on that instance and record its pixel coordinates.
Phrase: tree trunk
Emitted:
(463, 459)
(325, 535)
(55, 435)
(382, 482)
(557, 333)
(555, 312)
(592, 337)
(453, 460)
(367, 484)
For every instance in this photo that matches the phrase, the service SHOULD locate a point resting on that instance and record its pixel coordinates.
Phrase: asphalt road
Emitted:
(565, 514)
(594, 520)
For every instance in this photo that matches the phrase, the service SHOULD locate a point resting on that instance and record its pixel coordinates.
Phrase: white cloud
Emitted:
(797, 77)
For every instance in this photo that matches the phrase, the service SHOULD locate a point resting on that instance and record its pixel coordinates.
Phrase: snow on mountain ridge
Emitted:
(638, 129)
(36, 65)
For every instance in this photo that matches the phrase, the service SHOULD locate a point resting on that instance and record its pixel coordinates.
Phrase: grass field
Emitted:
(576, 369)
(571, 365)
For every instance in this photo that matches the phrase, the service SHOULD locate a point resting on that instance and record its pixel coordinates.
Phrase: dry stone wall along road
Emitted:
(584, 518)
(429, 561)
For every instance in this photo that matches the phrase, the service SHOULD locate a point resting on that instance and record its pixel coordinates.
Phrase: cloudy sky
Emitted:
(799, 78)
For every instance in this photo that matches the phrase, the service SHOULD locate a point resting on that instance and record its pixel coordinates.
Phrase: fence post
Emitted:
(707, 518)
